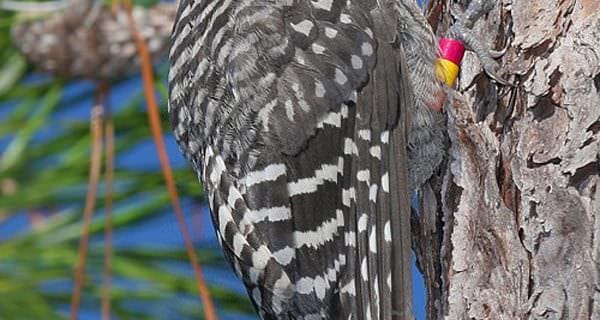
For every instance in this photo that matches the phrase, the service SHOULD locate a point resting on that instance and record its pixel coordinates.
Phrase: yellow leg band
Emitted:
(446, 70)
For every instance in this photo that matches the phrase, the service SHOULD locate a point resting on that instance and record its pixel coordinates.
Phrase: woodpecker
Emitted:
(309, 124)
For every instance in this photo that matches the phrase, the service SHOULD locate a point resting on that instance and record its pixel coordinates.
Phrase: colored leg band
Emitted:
(451, 49)
(448, 64)
(447, 71)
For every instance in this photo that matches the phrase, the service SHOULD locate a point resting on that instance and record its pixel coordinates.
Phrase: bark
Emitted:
(516, 235)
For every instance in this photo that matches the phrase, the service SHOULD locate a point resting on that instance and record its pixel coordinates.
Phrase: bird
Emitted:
(309, 124)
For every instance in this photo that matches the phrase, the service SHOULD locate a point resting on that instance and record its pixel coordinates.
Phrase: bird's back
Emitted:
(295, 116)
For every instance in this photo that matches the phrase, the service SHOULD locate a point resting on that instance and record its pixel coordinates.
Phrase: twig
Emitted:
(90, 203)
(154, 119)
(108, 203)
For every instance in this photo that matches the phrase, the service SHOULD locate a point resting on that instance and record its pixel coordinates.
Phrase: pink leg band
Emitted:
(452, 50)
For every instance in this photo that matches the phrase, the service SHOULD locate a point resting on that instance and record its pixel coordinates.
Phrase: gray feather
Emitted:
(297, 116)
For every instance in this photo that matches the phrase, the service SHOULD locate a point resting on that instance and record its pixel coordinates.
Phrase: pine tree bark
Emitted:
(517, 229)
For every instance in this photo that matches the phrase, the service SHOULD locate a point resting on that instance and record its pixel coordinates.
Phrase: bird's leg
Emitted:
(462, 30)
(476, 9)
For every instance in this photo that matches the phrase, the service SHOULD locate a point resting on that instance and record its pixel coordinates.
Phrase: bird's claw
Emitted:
(498, 53)
(496, 77)
(462, 30)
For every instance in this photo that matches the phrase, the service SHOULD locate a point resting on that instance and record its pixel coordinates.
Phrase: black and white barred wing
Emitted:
(292, 112)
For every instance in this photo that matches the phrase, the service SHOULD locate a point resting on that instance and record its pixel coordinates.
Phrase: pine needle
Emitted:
(154, 119)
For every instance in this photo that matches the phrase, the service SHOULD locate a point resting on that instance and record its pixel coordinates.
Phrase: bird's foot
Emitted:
(463, 30)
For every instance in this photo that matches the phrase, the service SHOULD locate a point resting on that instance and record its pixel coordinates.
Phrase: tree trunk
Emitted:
(517, 231)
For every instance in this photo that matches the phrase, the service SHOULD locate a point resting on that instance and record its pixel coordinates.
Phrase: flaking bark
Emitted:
(518, 234)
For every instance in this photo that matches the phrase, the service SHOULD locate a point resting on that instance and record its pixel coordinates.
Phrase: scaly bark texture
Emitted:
(518, 238)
